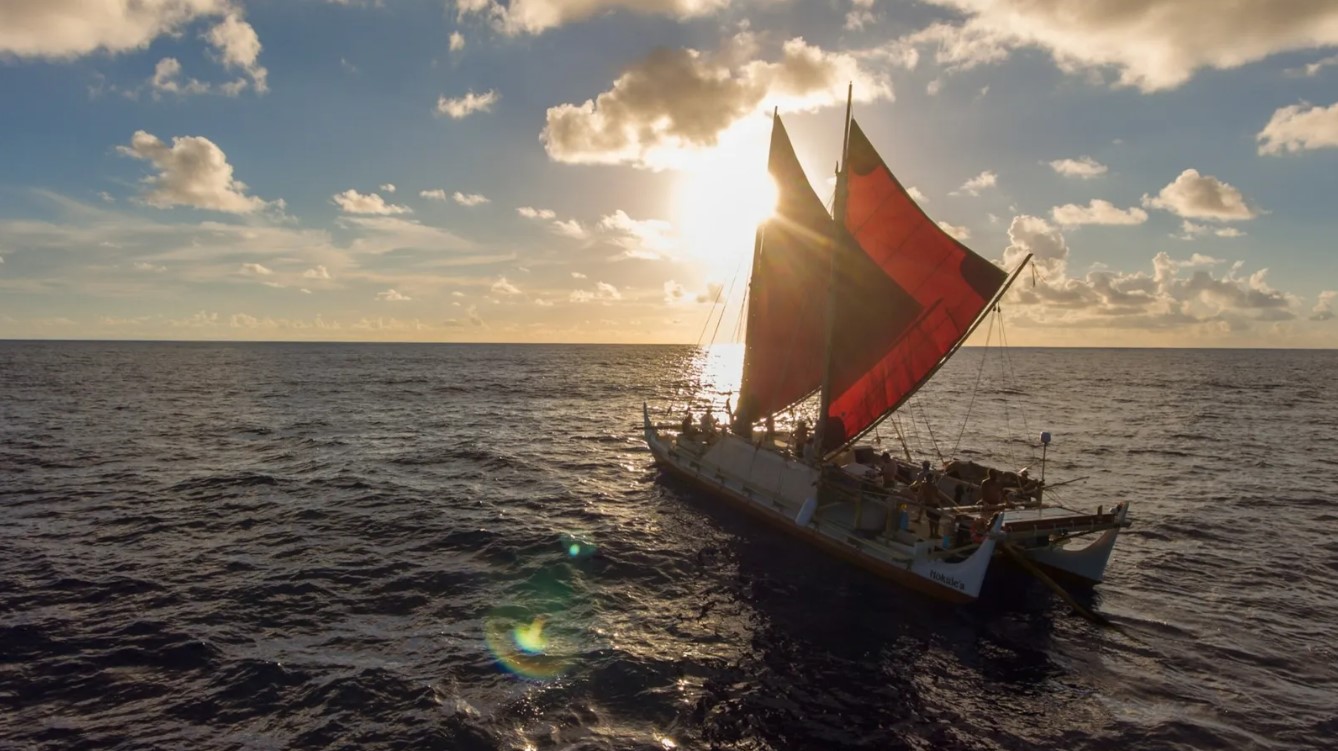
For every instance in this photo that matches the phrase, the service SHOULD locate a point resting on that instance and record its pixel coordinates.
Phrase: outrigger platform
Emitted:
(884, 528)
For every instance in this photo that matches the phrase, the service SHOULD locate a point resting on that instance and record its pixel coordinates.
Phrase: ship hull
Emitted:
(788, 486)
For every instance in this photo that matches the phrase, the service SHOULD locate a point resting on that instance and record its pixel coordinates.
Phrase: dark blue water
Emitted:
(252, 546)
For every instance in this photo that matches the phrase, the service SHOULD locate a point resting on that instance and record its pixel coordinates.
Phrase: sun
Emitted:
(719, 202)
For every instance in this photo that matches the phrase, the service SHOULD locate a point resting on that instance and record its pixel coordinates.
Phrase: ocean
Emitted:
(364, 546)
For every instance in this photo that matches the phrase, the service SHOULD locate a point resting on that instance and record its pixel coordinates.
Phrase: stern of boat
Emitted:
(966, 577)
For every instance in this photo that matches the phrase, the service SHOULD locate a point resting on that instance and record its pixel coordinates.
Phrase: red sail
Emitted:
(907, 294)
(782, 359)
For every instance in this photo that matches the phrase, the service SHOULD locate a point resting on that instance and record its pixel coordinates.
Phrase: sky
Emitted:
(592, 170)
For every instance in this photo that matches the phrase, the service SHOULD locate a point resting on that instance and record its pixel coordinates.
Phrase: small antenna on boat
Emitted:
(1045, 445)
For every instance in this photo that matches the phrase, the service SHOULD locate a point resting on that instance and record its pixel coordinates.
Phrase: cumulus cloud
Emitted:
(639, 238)
(577, 275)
(1084, 167)
(529, 212)
(1300, 127)
(1175, 293)
(193, 171)
(961, 233)
(388, 188)
(680, 100)
(469, 199)
(353, 202)
(1323, 310)
(1195, 196)
(570, 228)
(916, 194)
(435, 194)
(972, 187)
(604, 292)
(392, 295)
(1151, 44)
(1190, 230)
(503, 287)
(238, 47)
(318, 272)
(72, 28)
(1097, 212)
(255, 269)
(674, 292)
(536, 16)
(462, 107)
(166, 79)
(457, 41)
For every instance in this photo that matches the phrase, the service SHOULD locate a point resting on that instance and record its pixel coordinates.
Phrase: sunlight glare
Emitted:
(722, 198)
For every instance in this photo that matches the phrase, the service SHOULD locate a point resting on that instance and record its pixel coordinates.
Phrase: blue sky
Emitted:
(589, 170)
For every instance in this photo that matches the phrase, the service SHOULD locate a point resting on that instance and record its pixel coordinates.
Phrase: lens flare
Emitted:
(522, 647)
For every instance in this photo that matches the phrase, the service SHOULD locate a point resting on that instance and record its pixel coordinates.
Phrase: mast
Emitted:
(838, 223)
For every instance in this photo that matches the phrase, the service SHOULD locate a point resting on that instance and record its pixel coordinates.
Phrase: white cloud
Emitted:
(388, 188)
(578, 275)
(167, 79)
(353, 202)
(639, 238)
(436, 194)
(1152, 44)
(530, 212)
(318, 272)
(255, 269)
(457, 41)
(1097, 212)
(678, 101)
(239, 47)
(916, 195)
(1189, 230)
(392, 295)
(1299, 127)
(1195, 196)
(462, 107)
(972, 187)
(962, 234)
(191, 172)
(934, 87)
(674, 292)
(1323, 310)
(1084, 167)
(66, 29)
(1313, 69)
(606, 291)
(503, 287)
(469, 199)
(536, 16)
(1029, 234)
(569, 228)
(1177, 294)
(143, 266)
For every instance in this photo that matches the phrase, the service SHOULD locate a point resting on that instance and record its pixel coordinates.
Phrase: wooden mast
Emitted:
(838, 222)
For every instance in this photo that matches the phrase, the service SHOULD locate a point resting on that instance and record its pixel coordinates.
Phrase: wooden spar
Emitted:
(984, 313)
(1035, 571)
(838, 223)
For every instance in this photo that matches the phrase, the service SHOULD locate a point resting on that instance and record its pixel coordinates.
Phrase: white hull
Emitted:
(777, 488)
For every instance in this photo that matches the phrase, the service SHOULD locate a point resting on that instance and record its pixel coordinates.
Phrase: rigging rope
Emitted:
(976, 388)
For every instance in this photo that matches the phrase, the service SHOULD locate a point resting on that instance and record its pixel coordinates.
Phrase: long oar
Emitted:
(1035, 571)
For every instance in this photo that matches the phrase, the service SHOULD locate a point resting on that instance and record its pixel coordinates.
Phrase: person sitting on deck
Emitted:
(991, 492)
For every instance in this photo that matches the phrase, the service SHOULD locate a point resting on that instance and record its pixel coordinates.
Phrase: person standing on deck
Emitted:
(991, 492)
(708, 422)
